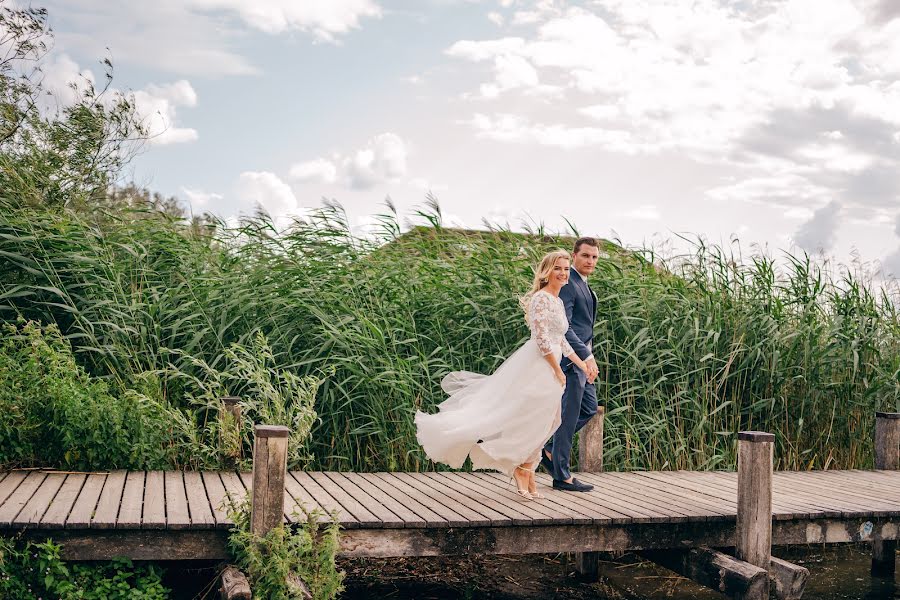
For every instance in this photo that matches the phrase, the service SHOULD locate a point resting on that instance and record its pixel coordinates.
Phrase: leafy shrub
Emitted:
(31, 571)
(276, 562)
(54, 414)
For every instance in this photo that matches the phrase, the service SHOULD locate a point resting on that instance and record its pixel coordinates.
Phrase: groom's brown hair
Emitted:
(585, 240)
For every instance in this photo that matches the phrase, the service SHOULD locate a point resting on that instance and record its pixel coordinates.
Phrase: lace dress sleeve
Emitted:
(540, 314)
(567, 349)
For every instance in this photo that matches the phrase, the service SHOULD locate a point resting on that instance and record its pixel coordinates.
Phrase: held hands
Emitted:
(589, 367)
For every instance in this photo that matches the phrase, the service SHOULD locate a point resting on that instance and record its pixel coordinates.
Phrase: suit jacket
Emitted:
(581, 310)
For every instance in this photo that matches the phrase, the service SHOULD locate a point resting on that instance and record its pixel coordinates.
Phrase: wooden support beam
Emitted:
(269, 470)
(753, 531)
(590, 459)
(887, 457)
(234, 585)
(787, 579)
(715, 570)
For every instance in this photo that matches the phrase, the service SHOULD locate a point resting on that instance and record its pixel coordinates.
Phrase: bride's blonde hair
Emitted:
(542, 276)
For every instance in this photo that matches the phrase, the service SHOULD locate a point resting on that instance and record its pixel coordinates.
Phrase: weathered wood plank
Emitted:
(715, 570)
(178, 516)
(599, 512)
(301, 502)
(9, 484)
(234, 585)
(108, 504)
(513, 513)
(753, 527)
(349, 504)
(269, 470)
(58, 511)
(402, 510)
(247, 480)
(541, 512)
(645, 499)
(235, 491)
(431, 518)
(217, 498)
(154, 516)
(345, 518)
(454, 502)
(380, 511)
(198, 502)
(453, 519)
(39, 502)
(82, 512)
(132, 504)
(787, 579)
(20, 497)
(478, 500)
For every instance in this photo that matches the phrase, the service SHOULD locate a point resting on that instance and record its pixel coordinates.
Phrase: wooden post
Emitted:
(234, 585)
(887, 457)
(753, 531)
(590, 459)
(590, 444)
(232, 405)
(269, 470)
(712, 569)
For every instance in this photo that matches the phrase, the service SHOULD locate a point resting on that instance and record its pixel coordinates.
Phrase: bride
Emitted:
(502, 420)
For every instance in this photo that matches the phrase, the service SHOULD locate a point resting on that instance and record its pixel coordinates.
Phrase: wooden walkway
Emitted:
(180, 515)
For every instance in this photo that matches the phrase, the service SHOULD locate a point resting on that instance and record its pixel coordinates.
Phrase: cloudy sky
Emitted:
(775, 121)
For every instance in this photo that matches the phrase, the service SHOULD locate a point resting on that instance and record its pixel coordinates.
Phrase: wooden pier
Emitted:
(166, 515)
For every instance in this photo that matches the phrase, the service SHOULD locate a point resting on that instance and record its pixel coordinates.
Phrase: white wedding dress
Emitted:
(502, 420)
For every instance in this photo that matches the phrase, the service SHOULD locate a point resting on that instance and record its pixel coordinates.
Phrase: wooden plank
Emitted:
(302, 503)
(382, 513)
(82, 512)
(132, 505)
(154, 516)
(403, 511)
(455, 502)
(217, 498)
(348, 502)
(177, 514)
(452, 518)
(665, 490)
(10, 483)
(108, 504)
(267, 509)
(650, 498)
(541, 512)
(20, 497)
(848, 486)
(235, 491)
(431, 518)
(40, 501)
(482, 503)
(312, 487)
(58, 511)
(198, 503)
(591, 504)
(614, 500)
(513, 511)
(847, 503)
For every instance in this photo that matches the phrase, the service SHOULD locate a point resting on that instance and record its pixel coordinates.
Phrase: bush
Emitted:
(53, 414)
(30, 571)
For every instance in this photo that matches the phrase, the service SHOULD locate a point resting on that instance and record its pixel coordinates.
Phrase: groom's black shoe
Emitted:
(546, 462)
(575, 486)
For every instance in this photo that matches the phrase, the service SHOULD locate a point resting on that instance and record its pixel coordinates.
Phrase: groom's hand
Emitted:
(592, 369)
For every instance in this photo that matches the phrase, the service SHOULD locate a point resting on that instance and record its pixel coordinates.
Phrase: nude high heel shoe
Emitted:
(524, 493)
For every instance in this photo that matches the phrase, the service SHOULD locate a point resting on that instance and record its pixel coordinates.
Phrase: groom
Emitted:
(579, 400)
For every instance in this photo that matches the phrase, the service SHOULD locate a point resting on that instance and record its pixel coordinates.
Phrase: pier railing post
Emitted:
(590, 459)
(269, 471)
(590, 444)
(887, 457)
(753, 532)
(230, 429)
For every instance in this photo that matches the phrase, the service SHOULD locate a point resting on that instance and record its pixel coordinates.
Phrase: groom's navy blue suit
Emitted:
(579, 400)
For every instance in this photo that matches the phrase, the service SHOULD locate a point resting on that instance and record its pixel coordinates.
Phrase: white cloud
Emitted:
(155, 105)
(381, 160)
(320, 170)
(323, 18)
(199, 198)
(819, 232)
(265, 189)
(495, 18)
(426, 185)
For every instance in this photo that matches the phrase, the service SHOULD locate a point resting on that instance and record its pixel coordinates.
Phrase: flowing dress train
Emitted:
(503, 419)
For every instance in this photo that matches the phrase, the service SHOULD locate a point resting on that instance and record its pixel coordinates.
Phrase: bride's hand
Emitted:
(560, 377)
